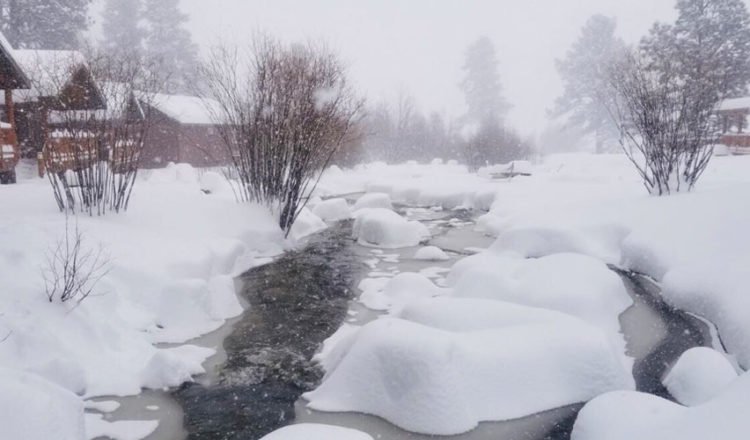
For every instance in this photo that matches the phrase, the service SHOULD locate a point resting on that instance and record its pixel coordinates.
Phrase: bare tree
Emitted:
(73, 269)
(667, 125)
(284, 112)
(92, 156)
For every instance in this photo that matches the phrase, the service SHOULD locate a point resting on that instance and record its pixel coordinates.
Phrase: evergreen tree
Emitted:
(169, 45)
(44, 24)
(122, 33)
(481, 85)
(708, 47)
(584, 72)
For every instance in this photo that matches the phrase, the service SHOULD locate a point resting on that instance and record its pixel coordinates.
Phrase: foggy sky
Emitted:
(418, 45)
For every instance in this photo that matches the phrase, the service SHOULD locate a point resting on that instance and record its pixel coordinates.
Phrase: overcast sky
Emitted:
(418, 45)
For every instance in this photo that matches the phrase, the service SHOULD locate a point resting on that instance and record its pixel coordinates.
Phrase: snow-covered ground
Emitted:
(556, 232)
(529, 324)
(171, 262)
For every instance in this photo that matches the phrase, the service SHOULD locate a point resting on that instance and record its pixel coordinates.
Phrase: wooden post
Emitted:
(10, 109)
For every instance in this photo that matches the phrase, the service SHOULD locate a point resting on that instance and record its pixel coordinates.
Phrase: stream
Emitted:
(262, 366)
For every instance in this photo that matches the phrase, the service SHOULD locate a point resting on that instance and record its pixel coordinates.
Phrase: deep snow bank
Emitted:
(631, 415)
(173, 256)
(464, 365)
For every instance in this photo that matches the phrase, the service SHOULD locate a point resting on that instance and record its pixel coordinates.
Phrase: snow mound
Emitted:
(384, 228)
(700, 374)
(306, 224)
(632, 415)
(431, 253)
(373, 200)
(312, 431)
(432, 381)
(32, 408)
(399, 290)
(603, 242)
(332, 210)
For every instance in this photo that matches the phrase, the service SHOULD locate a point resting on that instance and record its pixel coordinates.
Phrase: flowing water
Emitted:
(262, 366)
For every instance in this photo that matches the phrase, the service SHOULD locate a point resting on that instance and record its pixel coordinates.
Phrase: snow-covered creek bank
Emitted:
(296, 302)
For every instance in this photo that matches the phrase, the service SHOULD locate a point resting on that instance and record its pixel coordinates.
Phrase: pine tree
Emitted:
(44, 24)
(169, 45)
(481, 85)
(122, 33)
(584, 72)
(708, 46)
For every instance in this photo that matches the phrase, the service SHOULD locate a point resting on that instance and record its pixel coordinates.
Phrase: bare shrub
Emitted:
(92, 152)
(73, 269)
(667, 125)
(284, 111)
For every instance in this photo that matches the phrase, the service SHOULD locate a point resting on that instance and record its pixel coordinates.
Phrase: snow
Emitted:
(430, 253)
(49, 71)
(189, 110)
(384, 228)
(429, 380)
(631, 415)
(332, 210)
(32, 408)
(311, 431)
(307, 223)
(373, 200)
(699, 375)
(397, 291)
(173, 257)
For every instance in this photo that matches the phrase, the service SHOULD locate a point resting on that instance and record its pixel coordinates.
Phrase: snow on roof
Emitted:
(21, 81)
(735, 104)
(184, 109)
(49, 70)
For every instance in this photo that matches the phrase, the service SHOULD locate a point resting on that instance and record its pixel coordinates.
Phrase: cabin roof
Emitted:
(12, 75)
(735, 104)
(53, 72)
(189, 110)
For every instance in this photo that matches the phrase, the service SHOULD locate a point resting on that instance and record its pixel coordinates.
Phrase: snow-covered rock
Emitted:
(399, 290)
(312, 431)
(631, 415)
(307, 223)
(332, 210)
(32, 408)
(433, 381)
(430, 253)
(373, 200)
(384, 228)
(699, 375)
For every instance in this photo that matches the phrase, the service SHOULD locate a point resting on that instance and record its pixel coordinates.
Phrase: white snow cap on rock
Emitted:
(627, 415)
(384, 228)
(332, 210)
(699, 375)
(430, 253)
(313, 431)
(399, 290)
(373, 200)
(433, 381)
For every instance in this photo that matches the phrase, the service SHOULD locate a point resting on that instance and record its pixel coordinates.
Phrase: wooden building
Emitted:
(12, 78)
(182, 129)
(60, 81)
(733, 119)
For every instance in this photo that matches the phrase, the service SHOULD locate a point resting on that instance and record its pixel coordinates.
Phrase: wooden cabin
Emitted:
(733, 119)
(182, 129)
(12, 78)
(61, 81)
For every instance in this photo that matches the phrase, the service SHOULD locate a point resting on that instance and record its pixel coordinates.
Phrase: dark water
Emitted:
(679, 331)
(299, 300)
(294, 304)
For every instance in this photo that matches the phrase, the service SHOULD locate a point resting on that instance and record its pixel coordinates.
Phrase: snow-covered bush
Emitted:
(282, 121)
